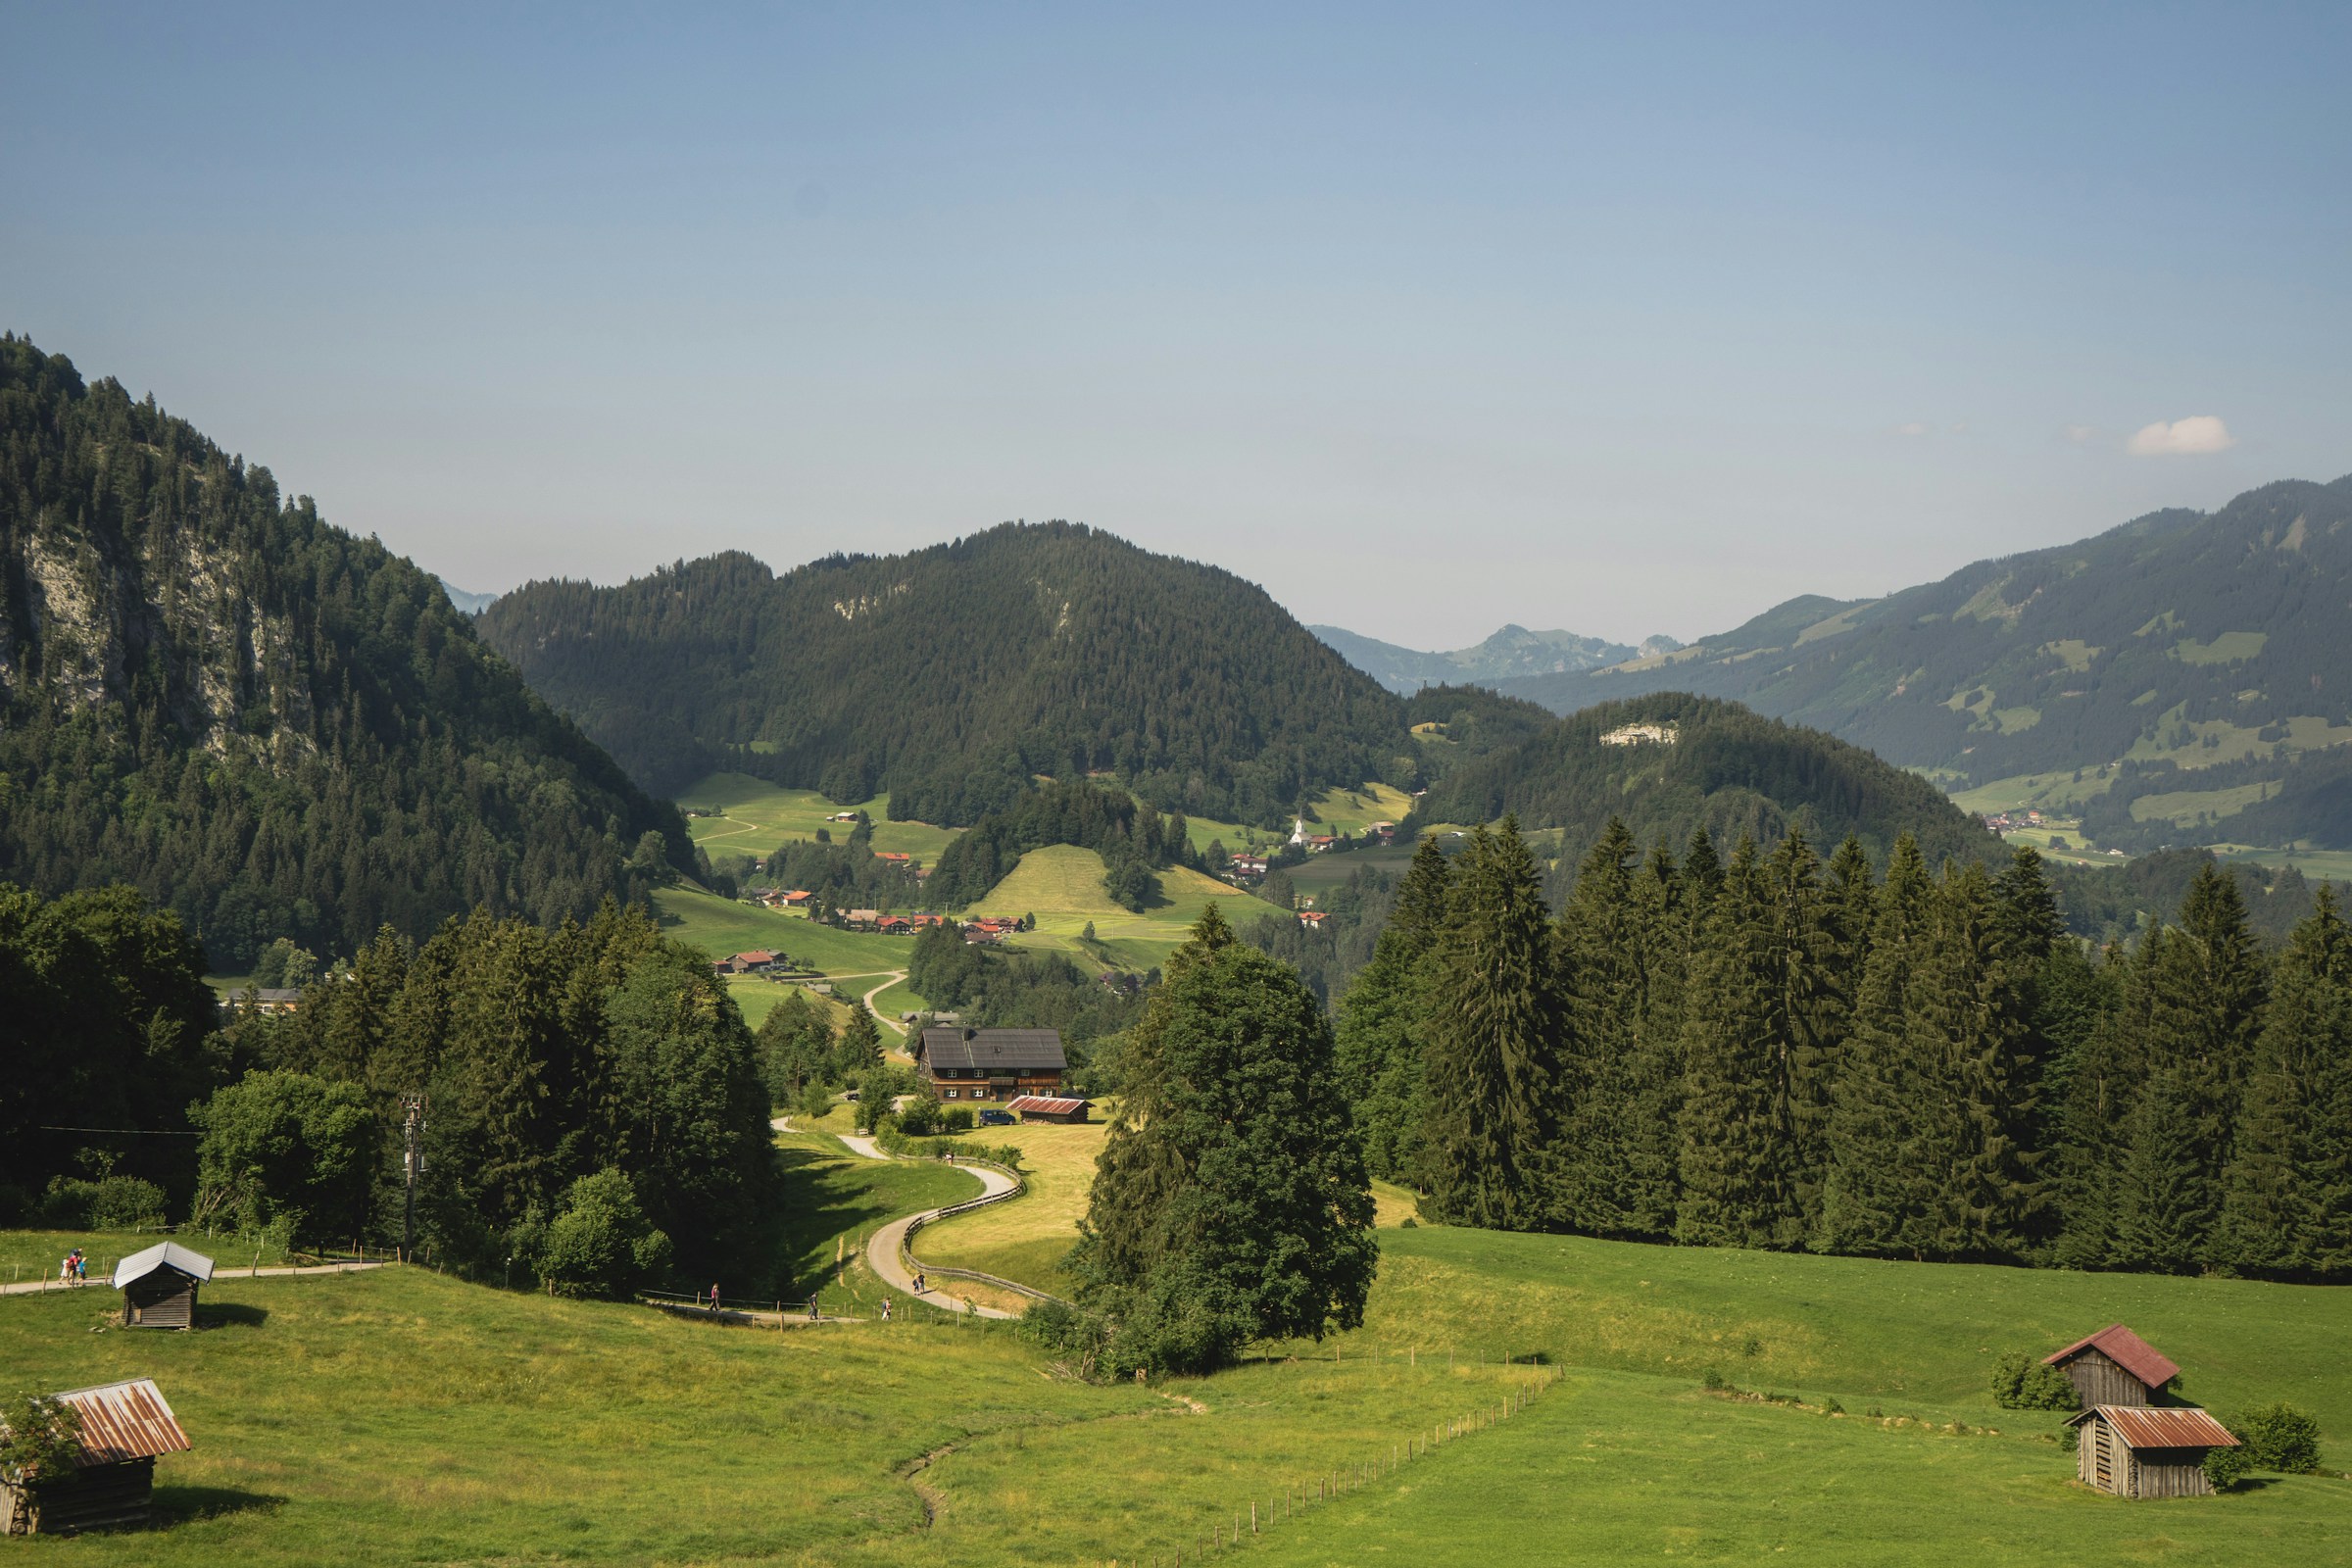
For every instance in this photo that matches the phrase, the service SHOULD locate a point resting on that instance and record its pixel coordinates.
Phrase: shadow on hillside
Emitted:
(175, 1505)
(827, 1196)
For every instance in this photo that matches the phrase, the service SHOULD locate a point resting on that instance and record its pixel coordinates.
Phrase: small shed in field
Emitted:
(158, 1286)
(1047, 1108)
(2114, 1366)
(126, 1426)
(2137, 1451)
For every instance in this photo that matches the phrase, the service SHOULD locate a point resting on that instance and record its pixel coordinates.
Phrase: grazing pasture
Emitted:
(1062, 886)
(758, 816)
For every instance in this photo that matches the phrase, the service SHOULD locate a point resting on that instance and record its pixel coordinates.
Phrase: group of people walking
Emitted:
(75, 1269)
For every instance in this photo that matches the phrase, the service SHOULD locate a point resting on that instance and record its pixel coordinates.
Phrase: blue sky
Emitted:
(1624, 319)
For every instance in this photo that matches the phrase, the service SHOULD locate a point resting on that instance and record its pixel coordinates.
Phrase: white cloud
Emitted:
(2198, 435)
(1915, 427)
(2080, 435)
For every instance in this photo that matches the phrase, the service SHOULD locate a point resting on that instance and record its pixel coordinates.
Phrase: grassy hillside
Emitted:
(758, 816)
(1062, 886)
(722, 926)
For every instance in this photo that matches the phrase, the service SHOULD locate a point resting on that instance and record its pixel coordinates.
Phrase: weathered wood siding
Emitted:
(2099, 1380)
(2169, 1472)
(163, 1299)
(102, 1498)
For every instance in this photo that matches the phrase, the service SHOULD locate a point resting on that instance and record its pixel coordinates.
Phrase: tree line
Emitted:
(1880, 1060)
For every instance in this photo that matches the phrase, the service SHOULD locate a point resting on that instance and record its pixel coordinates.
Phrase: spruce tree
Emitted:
(1230, 1200)
(1601, 957)
(1494, 1045)
(1876, 1194)
(1650, 1145)
(1737, 1173)
(1381, 1023)
(2287, 1208)
(1968, 1029)
(2102, 1080)
(1813, 1013)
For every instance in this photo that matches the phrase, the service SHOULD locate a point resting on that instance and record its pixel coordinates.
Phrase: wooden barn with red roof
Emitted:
(2135, 1452)
(123, 1429)
(2114, 1366)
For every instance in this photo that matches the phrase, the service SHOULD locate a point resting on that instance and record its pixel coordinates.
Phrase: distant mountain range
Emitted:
(467, 603)
(2195, 668)
(1513, 652)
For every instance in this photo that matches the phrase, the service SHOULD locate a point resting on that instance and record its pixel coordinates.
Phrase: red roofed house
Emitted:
(798, 898)
(756, 959)
(2135, 1452)
(125, 1428)
(1313, 918)
(895, 856)
(2114, 1366)
(897, 925)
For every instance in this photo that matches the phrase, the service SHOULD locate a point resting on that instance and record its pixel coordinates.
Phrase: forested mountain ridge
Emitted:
(1670, 764)
(258, 720)
(950, 675)
(2183, 641)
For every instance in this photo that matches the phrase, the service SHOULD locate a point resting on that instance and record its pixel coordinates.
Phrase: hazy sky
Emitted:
(1624, 318)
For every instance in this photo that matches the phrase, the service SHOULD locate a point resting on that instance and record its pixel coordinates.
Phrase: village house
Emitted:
(894, 926)
(2114, 1366)
(125, 1428)
(1249, 865)
(991, 1065)
(1313, 918)
(2135, 1452)
(158, 1286)
(893, 856)
(861, 919)
(798, 898)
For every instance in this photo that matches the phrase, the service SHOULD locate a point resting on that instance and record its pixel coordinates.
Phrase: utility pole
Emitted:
(411, 1134)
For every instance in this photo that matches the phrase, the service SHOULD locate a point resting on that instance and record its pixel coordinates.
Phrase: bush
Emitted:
(920, 1118)
(2022, 1381)
(39, 1439)
(601, 1243)
(955, 1120)
(2279, 1437)
(2226, 1467)
(112, 1204)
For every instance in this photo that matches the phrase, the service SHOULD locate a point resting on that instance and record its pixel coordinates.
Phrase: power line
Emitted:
(136, 1132)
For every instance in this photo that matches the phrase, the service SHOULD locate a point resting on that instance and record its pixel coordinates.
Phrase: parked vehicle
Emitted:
(996, 1118)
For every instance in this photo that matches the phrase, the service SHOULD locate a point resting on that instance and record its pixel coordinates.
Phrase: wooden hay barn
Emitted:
(2114, 1366)
(125, 1428)
(158, 1286)
(1047, 1108)
(2135, 1452)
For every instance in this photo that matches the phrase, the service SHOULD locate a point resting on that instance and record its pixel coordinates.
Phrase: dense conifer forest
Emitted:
(261, 722)
(1875, 1056)
(950, 677)
(1672, 764)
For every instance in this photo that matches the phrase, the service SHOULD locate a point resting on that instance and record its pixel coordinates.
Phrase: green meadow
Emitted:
(402, 1415)
(1061, 885)
(754, 818)
(720, 926)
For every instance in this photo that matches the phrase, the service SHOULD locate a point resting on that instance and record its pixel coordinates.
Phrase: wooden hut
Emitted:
(2114, 1366)
(125, 1428)
(158, 1286)
(2137, 1451)
(1047, 1108)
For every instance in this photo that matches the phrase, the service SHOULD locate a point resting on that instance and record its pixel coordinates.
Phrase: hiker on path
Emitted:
(886, 1310)
(812, 1309)
(713, 1297)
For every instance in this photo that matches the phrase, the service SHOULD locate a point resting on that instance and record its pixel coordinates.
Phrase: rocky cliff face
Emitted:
(260, 721)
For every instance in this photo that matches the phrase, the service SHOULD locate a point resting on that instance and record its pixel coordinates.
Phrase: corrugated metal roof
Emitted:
(125, 1421)
(138, 1265)
(997, 1049)
(1046, 1104)
(2155, 1426)
(2125, 1349)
